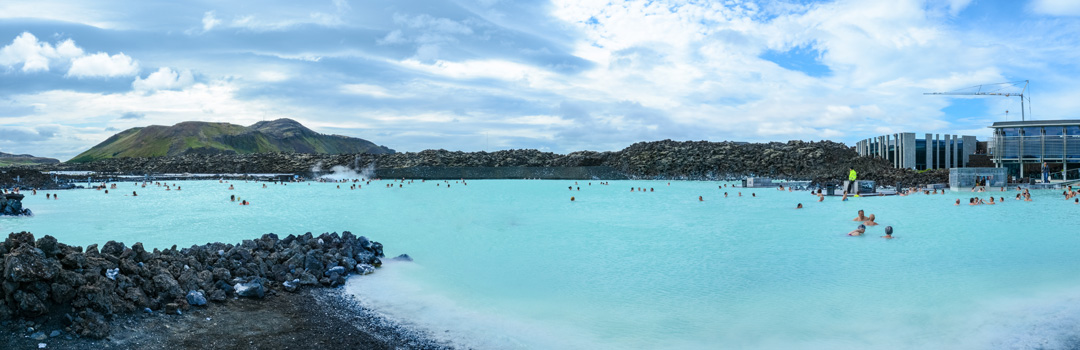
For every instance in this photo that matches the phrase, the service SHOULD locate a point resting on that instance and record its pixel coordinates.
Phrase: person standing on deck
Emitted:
(851, 179)
(1045, 173)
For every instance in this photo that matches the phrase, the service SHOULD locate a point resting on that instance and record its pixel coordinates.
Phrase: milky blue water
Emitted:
(515, 264)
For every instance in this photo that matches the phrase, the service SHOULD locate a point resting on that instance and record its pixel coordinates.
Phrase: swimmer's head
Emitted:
(888, 230)
(862, 227)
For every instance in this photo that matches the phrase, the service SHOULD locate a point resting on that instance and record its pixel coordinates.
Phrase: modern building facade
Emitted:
(933, 151)
(1021, 148)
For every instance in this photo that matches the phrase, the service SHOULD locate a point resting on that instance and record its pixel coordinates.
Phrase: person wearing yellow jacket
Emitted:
(851, 180)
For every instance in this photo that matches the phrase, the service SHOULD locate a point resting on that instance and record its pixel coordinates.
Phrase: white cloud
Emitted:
(1056, 7)
(271, 76)
(33, 56)
(368, 90)
(164, 79)
(209, 21)
(700, 64)
(103, 65)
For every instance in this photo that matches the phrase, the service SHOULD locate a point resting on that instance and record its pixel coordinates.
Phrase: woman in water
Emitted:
(858, 231)
(888, 233)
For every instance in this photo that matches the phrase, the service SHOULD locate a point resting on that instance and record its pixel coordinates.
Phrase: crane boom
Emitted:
(987, 90)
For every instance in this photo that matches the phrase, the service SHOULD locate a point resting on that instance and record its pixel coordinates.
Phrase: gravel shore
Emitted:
(316, 318)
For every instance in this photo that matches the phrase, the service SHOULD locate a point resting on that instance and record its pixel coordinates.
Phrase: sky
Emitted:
(557, 76)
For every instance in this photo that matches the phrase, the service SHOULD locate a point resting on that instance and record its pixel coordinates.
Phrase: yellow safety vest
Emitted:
(851, 175)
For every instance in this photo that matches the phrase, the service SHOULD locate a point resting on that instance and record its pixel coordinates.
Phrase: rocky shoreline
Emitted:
(84, 293)
(820, 162)
(314, 318)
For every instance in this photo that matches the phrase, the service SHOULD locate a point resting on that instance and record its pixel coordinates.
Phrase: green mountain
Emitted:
(8, 159)
(282, 135)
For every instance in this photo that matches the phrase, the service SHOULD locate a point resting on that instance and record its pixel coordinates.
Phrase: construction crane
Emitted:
(997, 89)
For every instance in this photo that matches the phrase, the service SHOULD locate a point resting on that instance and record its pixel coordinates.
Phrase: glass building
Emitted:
(933, 151)
(1022, 147)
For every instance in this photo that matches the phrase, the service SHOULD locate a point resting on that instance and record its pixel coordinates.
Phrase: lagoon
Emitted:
(515, 264)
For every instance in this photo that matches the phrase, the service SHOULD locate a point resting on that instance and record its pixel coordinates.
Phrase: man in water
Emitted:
(858, 231)
(870, 221)
(861, 217)
(799, 206)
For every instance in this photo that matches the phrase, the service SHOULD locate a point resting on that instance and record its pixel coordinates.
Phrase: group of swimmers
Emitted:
(868, 221)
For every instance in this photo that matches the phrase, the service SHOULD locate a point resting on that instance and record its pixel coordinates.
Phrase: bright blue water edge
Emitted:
(515, 264)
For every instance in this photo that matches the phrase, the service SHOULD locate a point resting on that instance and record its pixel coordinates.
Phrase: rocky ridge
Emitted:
(44, 277)
(7, 159)
(823, 161)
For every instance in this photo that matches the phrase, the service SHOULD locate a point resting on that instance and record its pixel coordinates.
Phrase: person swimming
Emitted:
(861, 217)
(232, 198)
(798, 206)
(700, 199)
(133, 194)
(957, 201)
(870, 221)
(858, 231)
(888, 233)
(571, 198)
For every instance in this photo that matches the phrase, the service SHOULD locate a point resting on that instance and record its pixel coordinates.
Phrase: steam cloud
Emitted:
(341, 172)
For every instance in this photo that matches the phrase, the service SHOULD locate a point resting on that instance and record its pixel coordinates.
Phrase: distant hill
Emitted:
(282, 135)
(8, 159)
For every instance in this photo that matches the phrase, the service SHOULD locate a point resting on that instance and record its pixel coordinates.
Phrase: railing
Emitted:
(1031, 146)
(1072, 147)
(1010, 147)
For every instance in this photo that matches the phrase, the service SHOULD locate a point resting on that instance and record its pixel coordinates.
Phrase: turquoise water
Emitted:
(516, 264)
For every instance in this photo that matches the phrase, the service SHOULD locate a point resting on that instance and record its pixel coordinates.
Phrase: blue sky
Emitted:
(556, 76)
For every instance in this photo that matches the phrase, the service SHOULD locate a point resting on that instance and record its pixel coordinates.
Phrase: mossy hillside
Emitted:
(282, 135)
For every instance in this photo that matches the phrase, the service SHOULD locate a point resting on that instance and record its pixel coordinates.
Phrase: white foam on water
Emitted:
(1046, 320)
(391, 294)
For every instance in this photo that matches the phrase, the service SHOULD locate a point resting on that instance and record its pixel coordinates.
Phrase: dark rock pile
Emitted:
(45, 277)
(690, 160)
(11, 204)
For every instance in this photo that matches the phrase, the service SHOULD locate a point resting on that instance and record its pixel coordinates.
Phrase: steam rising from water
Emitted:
(341, 172)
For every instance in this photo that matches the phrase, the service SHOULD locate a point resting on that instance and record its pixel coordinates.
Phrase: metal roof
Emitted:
(1059, 122)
